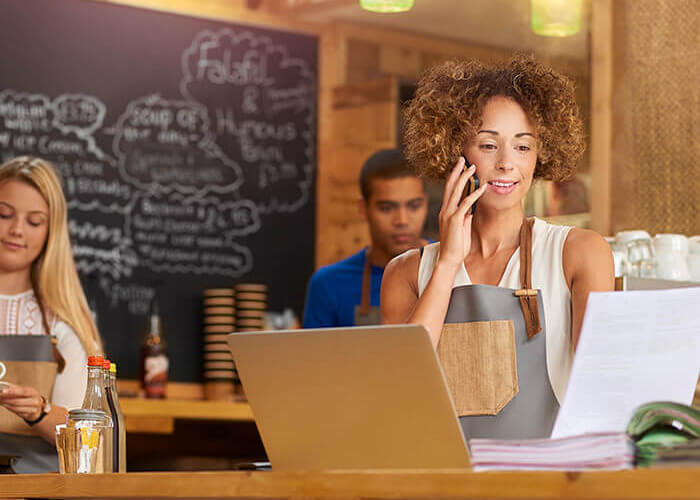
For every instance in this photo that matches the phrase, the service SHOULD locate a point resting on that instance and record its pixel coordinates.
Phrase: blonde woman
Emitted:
(40, 294)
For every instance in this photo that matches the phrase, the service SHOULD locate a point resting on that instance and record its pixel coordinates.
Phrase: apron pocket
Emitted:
(480, 364)
(38, 374)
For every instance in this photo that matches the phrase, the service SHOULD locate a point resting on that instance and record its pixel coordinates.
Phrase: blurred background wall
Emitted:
(634, 62)
(655, 182)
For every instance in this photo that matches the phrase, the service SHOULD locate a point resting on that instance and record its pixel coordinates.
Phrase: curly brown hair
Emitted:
(445, 114)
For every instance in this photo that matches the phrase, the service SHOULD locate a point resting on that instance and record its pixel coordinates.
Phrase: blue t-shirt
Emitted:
(335, 290)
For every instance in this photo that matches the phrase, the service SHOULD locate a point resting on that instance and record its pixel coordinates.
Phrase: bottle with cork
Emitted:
(154, 357)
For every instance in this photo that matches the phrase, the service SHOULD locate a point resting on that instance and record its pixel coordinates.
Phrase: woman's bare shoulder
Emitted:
(404, 267)
(584, 250)
(585, 240)
(404, 262)
(400, 286)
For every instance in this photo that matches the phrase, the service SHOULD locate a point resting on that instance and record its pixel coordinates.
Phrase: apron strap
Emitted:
(366, 278)
(57, 356)
(527, 295)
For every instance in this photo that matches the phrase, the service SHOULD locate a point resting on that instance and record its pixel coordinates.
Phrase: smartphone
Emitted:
(472, 185)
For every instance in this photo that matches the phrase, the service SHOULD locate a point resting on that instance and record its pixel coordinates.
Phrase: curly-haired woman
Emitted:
(515, 123)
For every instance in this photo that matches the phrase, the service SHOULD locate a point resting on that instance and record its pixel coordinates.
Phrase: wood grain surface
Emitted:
(453, 484)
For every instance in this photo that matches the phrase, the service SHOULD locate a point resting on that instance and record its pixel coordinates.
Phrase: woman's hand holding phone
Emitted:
(455, 215)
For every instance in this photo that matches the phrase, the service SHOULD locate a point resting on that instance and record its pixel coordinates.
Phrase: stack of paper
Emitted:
(613, 450)
(635, 347)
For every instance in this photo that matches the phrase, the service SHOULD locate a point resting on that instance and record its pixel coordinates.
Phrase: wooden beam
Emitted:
(224, 10)
(332, 65)
(601, 114)
(447, 47)
(307, 7)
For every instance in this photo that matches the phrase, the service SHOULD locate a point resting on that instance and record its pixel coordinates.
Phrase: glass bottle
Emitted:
(113, 415)
(96, 399)
(154, 358)
(119, 441)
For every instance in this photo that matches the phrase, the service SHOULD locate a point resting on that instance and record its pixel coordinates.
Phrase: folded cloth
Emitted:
(683, 418)
(666, 434)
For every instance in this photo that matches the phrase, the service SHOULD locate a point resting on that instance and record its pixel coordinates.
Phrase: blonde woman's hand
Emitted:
(24, 401)
(455, 220)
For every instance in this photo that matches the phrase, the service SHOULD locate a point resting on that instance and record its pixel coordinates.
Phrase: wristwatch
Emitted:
(45, 408)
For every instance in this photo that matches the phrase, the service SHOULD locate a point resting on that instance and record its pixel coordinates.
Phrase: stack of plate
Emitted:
(251, 300)
(219, 318)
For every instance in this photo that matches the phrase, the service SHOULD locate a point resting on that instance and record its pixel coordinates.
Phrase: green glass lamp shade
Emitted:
(556, 17)
(386, 5)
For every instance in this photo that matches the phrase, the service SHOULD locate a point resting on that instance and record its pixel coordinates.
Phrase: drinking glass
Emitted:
(641, 258)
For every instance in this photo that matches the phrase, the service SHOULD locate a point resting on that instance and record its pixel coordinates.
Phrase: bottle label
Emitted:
(155, 375)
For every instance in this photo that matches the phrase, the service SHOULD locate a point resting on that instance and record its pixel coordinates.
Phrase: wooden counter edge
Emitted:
(455, 484)
(186, 409)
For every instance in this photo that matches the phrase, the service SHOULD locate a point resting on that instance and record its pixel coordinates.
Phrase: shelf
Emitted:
(158, 415)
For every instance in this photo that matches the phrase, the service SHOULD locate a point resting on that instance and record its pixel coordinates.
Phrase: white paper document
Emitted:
(635, 347)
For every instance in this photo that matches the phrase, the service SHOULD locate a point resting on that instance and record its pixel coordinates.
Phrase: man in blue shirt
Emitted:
(395, 204)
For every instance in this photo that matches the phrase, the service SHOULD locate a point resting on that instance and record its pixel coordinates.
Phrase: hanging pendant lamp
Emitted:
(385, 6)
(556, 17)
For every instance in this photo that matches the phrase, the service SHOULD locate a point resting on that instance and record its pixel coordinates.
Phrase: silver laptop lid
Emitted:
(349, 398)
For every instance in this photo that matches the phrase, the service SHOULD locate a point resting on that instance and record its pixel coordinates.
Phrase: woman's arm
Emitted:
(399, 295)
(588, 267)
(68, 391)
(27, 403)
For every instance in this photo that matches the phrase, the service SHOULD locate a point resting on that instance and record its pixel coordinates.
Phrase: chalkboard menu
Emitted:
(187, 151)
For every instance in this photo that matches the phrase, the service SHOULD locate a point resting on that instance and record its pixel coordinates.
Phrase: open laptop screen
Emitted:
(349, 398)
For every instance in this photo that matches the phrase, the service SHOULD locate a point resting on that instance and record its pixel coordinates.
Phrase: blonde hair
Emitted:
(53, 273)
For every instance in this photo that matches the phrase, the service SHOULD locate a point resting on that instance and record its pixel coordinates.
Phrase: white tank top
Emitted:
(20, 315)
(548, 276)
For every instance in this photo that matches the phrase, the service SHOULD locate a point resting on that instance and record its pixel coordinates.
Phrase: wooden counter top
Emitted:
(158, 415)
(454, 484)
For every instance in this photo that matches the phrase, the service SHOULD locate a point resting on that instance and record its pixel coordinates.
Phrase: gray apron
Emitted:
(530, 409)
(34, 454)
(364, 313)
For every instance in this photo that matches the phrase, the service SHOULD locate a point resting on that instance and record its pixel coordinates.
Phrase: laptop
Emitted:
(349, 398)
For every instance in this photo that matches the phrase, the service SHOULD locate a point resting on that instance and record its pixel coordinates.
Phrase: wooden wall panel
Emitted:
(655, 181)
(363, 120)
(601, 114)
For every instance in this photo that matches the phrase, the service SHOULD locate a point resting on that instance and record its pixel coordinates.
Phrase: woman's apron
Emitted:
(493, 352)
(364, 313)
(29, 360)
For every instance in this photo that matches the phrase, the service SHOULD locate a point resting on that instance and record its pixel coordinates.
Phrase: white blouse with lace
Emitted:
(20, 315)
